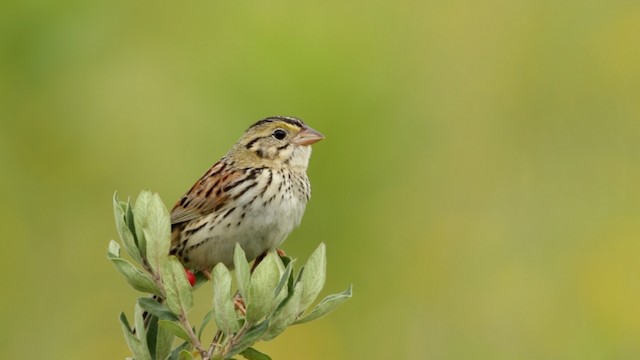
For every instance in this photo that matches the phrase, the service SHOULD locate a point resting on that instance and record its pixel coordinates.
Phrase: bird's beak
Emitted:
(307, 136)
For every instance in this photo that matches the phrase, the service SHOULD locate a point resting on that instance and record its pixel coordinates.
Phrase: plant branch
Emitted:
(194, 339)
(235, 339)
(215, 343)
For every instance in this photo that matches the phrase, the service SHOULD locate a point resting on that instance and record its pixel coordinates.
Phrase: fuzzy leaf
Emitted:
(140, 211)
(250, 338)
(282, 290)
(185, 355)
(157, 309)
(253, 354)
(327, 305)
(313, 276)
(264, 282)
(113, 251)
(124, 231)
(286, 314)
(243, 273)
(223, 310)
(141, 332)
(164, 342)
(174, 328)
(175, 353)
(179, 295)
(157, 232)
(137, 278)
(139, 350)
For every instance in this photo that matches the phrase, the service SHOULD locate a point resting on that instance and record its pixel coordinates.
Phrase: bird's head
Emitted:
(276, 142)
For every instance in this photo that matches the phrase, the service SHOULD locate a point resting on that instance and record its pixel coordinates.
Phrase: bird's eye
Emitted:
(279, 134)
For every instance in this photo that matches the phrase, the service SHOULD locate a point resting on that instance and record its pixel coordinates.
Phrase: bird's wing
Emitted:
(206, 196)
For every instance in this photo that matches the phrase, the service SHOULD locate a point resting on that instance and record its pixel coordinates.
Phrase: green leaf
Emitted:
(164, 342)
(327, 305)
(264, 282)
(205, 321)
(282, 290)
(175, 353)
(313, 276)
(249, 338)
(157, 309)
(138, 279)
(179, 295)
(223, 310)
(174, 328)
(140, 211)
(124, 231)
(253, 354)
(286, 314)
(128, 218)
(157, 232)
(141, 332)
(113, 251)
(185, 355)
(243, 273)
(139, 350)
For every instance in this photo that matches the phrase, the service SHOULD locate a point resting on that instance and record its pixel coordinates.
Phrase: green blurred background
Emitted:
(479, 184)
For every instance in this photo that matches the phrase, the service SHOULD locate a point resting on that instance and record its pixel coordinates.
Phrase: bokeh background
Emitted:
(479, 184)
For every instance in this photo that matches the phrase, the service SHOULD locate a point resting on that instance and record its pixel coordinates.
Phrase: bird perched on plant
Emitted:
(255, 196)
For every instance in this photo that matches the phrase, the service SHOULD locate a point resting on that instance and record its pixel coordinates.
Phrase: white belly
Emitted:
(259, 221)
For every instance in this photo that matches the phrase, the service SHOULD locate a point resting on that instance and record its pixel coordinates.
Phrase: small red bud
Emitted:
(191, 277)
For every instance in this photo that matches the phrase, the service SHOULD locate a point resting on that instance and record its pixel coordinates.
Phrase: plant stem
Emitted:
(215, 343)
(194, 339)
(235, 339)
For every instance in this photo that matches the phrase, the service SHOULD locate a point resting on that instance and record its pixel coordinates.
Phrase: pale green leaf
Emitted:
(113, 251)
(141, 332)
(137, 347)
(253, 354)
(223, 309)
(286, 314)
(313, 276)
(185, 355)
(175, 353)
(282, 290)
(157, 232)
(140, 212)
(178, 292)
(264, 282)
(157, 309)
(249, 338)
(327, 305)
(137, 278)
(124, 231)
(164, 343)
(243, 273)
(174, 328)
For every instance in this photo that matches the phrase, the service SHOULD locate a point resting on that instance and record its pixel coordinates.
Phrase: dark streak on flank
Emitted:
(246, 188)
(269, 180)
(227, 213)
(250, 176)
(194, 230)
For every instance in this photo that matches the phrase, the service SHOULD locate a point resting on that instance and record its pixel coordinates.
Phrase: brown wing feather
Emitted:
(206, 195)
